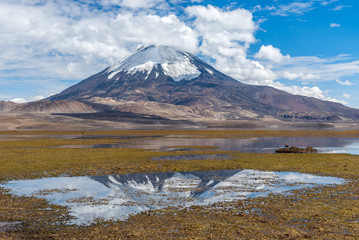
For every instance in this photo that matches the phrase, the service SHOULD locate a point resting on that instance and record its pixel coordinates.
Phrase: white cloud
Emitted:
(230, 26)
(270, 53)
(18, 100)
(345, 83)
(296, 8)
(334, 25)
(36, 98)
(315, 92)
(325, 3)
(134, 4)
(75, 41)
(318, 69)
(340, 7)
(227, 42)
(24, 100)
(346, 95)
(313, 70)
(140, 3)
(301, 76)
(226, 36)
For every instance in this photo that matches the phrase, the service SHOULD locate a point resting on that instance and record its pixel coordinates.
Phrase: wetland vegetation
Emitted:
(322, 212)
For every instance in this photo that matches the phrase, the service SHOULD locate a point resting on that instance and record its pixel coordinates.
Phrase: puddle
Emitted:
(91, 146)
(119, 196)
(118, 137)
(9, 226)
(192, 157)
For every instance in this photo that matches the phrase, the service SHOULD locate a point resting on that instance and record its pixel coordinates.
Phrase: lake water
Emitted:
(255, 145)
(119, 196)
(261, 144)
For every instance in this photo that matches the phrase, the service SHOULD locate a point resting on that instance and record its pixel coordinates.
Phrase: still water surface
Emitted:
(255, 145)
(119, 196)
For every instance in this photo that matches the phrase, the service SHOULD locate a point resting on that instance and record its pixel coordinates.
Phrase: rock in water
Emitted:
(296, 150)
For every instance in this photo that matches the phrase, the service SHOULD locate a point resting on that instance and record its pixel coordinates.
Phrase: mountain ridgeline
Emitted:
(166, 82)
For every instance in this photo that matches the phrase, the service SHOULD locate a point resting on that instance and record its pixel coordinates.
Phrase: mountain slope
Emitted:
(62, 106)
(165, 75)
(6, 106)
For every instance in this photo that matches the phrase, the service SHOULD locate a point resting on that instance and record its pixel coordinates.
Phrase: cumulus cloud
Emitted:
(59, 42)
(18, 100)
(334, 25)
(24, 100)
(345, 83)
(214, 22)
(306, 91)
(227, 43)
(226, 37)
(270, 53)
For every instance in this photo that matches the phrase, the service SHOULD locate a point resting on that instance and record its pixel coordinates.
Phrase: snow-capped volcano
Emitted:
(167, 82)
(174, 63)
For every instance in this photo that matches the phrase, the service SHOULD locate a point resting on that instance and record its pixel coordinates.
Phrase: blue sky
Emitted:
(306, 47)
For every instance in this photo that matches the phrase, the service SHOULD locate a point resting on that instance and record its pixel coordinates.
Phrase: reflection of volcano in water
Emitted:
(198, 182)
(119, 196)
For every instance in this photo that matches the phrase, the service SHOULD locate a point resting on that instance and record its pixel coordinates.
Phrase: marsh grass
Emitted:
(317, 213)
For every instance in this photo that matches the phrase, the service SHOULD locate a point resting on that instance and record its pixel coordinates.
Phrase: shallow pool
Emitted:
(119, 196)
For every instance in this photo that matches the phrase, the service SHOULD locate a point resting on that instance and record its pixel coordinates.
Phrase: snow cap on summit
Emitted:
(175, 63)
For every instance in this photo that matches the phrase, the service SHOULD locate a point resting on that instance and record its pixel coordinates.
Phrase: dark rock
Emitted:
(288, 149)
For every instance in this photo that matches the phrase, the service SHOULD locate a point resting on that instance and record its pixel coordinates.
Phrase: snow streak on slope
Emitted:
(174, 63)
